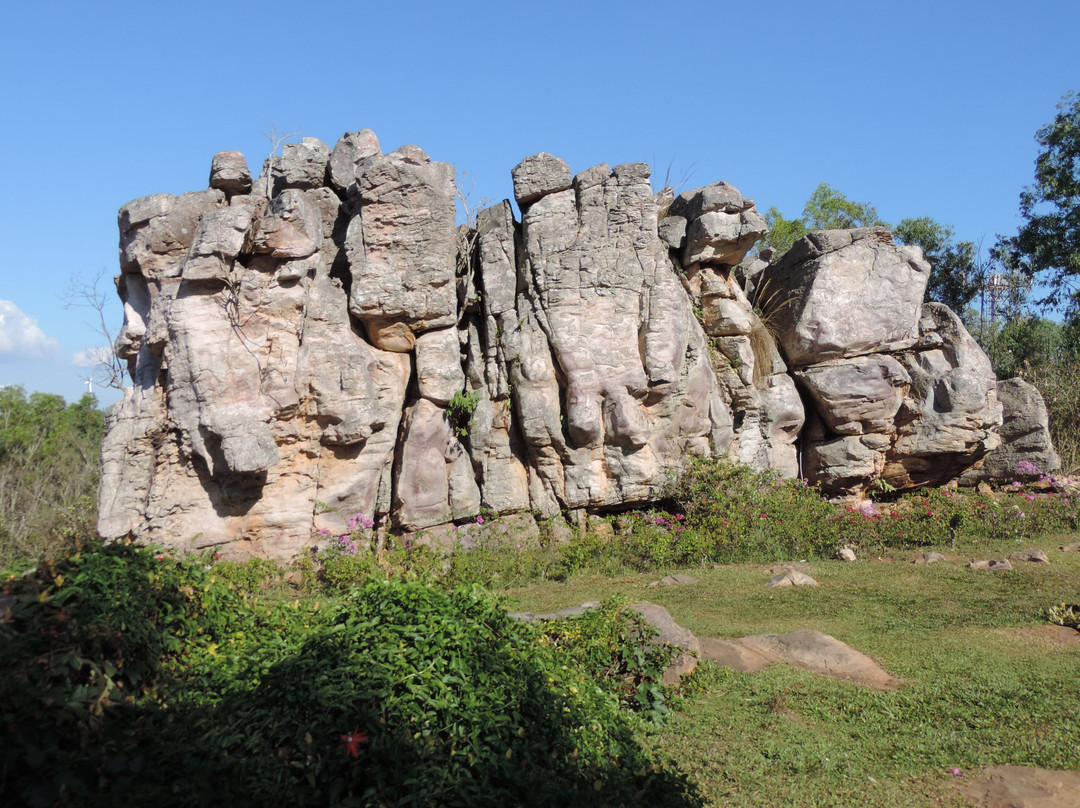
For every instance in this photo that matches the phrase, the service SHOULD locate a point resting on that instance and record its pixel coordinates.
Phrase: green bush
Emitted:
(129, 677)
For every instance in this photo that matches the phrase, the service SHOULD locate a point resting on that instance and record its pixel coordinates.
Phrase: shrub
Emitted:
(129, 677)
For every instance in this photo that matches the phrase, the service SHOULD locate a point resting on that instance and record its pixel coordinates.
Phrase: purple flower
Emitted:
(479, 520)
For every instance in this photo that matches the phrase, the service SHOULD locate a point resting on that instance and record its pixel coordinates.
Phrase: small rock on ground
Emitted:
(675, 580)
(998, 565)
(1071, 548)
(845, 554)
(792, 578)
(928, 558)
(819, 653)
(1033, 555)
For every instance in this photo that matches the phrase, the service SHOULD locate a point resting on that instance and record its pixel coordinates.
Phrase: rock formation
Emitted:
(324, 340)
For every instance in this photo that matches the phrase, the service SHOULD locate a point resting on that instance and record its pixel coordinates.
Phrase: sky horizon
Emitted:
(926, 110)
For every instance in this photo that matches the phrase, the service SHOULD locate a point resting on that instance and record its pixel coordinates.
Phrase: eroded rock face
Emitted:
(900, 391)
(325, 341)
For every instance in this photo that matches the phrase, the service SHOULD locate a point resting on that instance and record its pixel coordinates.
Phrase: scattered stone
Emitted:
(1024, 787)
(792, 578)
(1032, 555)
(733, 654)
(672, 634)
(819, 653)
(674, 580)
(928, 558)
(845, 553)
(1071, 548)
(998, 565)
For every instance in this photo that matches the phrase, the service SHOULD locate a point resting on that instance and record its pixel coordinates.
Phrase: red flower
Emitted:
(351, 741)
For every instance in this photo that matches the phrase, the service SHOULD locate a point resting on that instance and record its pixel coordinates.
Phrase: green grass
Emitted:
(983, 683)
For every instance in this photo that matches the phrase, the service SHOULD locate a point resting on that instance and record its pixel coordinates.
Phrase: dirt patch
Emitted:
(1023, 787)
(1042, 638)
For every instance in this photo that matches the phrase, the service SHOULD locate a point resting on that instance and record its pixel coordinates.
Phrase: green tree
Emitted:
(49, 473)
(826, 209)
(956, 275)
(1048, 245)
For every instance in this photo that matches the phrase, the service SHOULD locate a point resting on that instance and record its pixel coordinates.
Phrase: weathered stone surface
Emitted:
(928, 558)
(438, 365)
(539, 175)
(402, 248)
(791, 578)
(857, 395)
(1032, 555)
(1024, 434)
(352, 150)
(301, 165)
(842, 293)
(229, 172)
(950, 416)
(819, 653)
(303, 347)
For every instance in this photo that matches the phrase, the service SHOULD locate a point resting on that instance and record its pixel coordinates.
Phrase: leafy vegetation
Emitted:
(48, 472)
(133, 677)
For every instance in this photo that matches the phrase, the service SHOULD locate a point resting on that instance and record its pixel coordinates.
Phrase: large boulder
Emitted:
(1026, 447)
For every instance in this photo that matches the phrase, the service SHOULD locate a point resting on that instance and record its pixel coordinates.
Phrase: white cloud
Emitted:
(20, 337)
(91, 357)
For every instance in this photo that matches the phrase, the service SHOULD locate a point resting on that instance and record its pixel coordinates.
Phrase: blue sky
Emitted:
(920, 108)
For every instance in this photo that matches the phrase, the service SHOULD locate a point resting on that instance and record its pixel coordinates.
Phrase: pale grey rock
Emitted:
(539, 175)
(819, 653)
(291, 227)
(856, 395)
(720, 225)
(156, 232)
(350, 153)
(218, 239)
(438, 365)
(843, 463)
(303, 348)
(723, 238)
(1071, 548)
(433, 482)
(928, 558)
(998, 565)
(950, 417)
(671, 633)
(301, 165)
(1032, 555)
(1024, 435)
(229, 173)
(791, 578)
(676, 579)
(402, 248)
(844, 293)
(846, 554)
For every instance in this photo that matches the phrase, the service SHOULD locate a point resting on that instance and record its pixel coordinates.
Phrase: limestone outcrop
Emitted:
(325, 340)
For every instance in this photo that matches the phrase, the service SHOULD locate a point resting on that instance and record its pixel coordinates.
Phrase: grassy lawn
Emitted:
(986, 681)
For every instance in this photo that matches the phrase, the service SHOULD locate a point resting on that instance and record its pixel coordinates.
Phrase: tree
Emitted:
(826, 209)
(1048, 245)
(956, 275)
